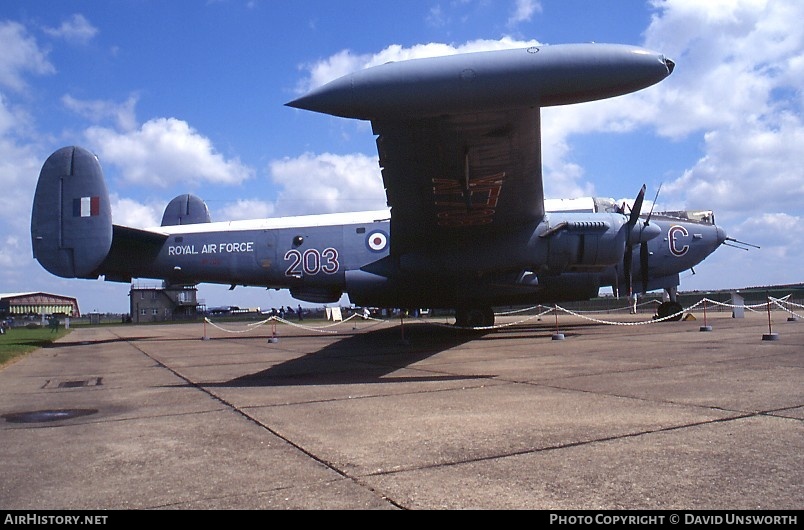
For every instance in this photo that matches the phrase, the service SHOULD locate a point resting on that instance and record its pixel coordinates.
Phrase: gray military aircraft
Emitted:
(459, 146)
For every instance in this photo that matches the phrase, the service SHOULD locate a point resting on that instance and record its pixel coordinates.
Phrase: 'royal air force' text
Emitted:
(211, 248)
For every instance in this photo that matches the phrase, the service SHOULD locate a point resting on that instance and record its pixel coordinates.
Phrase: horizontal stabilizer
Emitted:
(132, 249)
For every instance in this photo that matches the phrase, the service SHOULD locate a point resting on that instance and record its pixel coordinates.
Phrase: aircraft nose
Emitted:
(721, 236)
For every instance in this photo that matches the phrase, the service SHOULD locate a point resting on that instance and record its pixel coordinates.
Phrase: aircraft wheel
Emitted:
(666, 309)
(474, 317)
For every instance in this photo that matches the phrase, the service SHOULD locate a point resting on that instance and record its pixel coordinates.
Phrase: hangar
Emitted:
(38, 303)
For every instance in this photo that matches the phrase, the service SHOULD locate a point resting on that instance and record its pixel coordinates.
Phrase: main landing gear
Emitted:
(670, 306)
(474, 317)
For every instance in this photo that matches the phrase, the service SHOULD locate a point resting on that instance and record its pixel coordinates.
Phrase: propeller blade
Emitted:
(644, 255)
(627, 269)
(635, 211)
(656, 198)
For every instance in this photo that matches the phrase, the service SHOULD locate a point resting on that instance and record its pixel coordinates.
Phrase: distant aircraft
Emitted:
(459, 146)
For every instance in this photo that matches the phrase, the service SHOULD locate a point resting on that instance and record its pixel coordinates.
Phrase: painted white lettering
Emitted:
(180, 250)
(234, 248)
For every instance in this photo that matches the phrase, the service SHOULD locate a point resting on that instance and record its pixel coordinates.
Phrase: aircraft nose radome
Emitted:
(721, 236)
(670, 65)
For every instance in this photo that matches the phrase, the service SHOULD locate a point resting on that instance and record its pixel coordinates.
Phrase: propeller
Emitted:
(644, 253)
(629, 247)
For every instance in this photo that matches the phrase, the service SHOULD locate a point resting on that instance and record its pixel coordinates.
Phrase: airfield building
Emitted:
(159, 303)
(37, 303)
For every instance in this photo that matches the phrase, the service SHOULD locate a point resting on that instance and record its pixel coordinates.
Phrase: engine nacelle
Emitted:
(71, 220)
(585, 243)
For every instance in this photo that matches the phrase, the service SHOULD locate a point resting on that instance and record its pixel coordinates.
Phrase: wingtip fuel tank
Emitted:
(488, 81)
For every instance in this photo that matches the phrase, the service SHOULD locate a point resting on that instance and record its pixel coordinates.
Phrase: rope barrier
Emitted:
(320, 329)
(497, 326)
(779, 302)
(250, 327)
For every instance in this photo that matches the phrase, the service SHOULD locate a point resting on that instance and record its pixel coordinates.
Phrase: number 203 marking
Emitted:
(311, 262)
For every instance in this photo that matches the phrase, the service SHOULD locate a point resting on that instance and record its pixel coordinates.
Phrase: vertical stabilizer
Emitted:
(185, 209)
(71, 220)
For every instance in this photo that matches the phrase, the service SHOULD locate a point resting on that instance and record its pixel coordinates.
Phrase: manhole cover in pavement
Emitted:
(38, 416)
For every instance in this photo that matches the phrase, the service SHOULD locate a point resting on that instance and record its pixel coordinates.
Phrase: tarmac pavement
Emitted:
(192, 416)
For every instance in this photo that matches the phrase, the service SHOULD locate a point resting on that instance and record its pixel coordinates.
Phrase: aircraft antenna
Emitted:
(738, 243)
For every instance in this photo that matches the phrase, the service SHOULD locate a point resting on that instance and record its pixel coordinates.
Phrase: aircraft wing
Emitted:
(459, 136)
(458, 176)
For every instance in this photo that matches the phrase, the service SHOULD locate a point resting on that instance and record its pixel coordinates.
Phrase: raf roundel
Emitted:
(377, 241)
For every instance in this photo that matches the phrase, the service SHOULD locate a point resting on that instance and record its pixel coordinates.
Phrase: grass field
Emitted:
(16, 342)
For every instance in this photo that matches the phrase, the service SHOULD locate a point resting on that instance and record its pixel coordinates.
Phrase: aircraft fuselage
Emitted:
(318, 262)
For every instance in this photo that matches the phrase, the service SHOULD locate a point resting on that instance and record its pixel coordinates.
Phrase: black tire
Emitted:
(474, 317)
(670, 308)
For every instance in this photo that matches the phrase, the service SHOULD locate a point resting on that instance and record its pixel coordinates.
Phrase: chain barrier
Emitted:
(653, 320)
(580, 314)
(779, 301)
(640, 323)
(250, 327)
(497, 326)
(320, 329)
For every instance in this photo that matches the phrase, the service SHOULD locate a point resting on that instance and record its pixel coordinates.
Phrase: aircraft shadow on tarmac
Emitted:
(71, 344)
(362, 358)
(369, 356)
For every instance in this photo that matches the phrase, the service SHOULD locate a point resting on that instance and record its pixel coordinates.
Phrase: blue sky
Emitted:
(188, 96)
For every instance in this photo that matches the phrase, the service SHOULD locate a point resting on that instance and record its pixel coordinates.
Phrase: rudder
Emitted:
(71, 218)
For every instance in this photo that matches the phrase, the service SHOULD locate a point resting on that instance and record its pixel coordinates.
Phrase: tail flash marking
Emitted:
(86, 207)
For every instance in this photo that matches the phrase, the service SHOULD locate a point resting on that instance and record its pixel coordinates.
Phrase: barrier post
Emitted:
(273, 338)
(770, 335)
(705, 327)
(402, 341)
(557, 335)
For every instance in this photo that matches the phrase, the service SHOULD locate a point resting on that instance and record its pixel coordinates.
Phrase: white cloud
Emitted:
(75, 29)
(732, 58)
(737, 82)
(21, 55)
(129, 212)
(749, 171)
(165, 151)
(19, 167)
(10, 251)
(246, 209)
(326, 183)
(524, 11)
(773, 229)
(122, 114)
